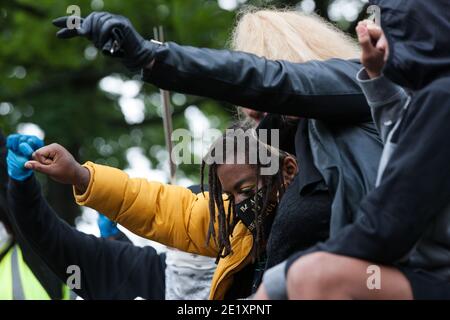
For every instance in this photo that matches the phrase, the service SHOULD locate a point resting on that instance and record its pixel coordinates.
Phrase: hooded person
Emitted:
(417, 33)
(403, 226)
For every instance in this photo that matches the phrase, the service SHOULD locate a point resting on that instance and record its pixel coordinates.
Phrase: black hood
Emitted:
(418, 32)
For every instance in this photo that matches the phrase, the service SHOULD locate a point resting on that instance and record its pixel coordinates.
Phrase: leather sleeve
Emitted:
(325, 90)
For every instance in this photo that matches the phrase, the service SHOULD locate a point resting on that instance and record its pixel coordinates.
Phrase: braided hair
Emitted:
(227, 219)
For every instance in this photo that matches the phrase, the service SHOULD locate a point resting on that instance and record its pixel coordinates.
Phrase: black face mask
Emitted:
(246, 209)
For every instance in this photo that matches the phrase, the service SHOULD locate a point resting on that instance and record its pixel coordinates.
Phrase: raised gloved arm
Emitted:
(114, 35)
(325, 90)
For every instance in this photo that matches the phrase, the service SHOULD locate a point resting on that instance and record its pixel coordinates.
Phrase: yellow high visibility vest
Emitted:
(17, 281)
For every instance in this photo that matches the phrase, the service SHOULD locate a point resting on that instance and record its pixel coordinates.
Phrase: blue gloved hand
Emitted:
(20, 149)
(107, 227)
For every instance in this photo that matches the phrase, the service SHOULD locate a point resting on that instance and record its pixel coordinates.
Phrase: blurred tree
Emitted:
(85, 101)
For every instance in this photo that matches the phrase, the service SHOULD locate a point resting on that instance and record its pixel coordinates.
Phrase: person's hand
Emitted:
(20, 149)
(107, 227)
(375, 49)
(56, 162)
(102, 28)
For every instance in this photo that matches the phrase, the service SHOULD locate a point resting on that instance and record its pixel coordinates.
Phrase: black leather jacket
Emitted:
(325, 90)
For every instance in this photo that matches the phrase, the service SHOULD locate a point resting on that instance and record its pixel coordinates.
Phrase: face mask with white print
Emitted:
(5, 238)
(245, 209)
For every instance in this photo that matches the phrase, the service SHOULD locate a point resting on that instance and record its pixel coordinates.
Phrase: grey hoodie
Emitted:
(389, 105)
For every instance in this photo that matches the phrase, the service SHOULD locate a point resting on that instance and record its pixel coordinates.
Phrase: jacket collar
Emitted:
(309, 177)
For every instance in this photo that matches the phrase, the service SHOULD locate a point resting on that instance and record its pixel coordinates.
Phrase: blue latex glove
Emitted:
(20, 149)
(107, 227)
(14, 140)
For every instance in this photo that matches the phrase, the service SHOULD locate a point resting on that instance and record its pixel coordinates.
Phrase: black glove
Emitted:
(114, 35)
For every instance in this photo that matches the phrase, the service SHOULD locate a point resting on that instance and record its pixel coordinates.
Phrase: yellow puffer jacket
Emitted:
(168, 214)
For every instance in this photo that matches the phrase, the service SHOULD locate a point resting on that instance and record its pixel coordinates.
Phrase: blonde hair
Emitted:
(290, 35)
